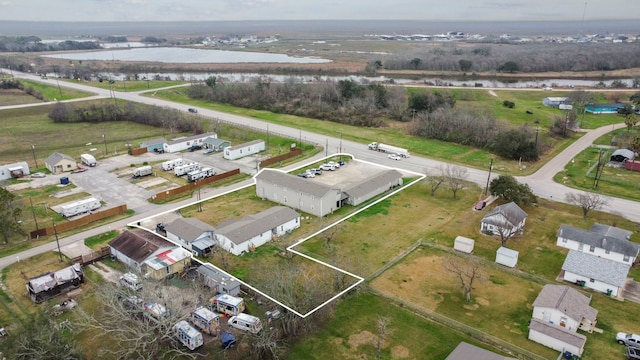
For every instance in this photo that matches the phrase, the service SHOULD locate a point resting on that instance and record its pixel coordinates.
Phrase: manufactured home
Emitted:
(242, 150)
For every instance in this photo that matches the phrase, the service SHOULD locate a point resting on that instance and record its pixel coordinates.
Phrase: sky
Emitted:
(233, 10)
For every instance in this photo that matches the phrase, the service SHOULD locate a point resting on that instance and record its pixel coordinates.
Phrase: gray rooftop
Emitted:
(188, 229)
(594, 267)
(511, 211)
(241, 230)
(604, 237)
(465, 351)
(189, 138)
(156, 141)
(567, 300)
(367, 186)
(557, 332)
(294, 182)
(56, 157)
(214, 141)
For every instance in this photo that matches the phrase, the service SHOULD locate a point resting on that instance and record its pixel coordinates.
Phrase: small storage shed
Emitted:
(506, 257)
(242, 150)
(463, 244)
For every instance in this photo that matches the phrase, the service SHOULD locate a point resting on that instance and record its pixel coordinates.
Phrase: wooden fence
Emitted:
(191, 186)
(138, 151)
(72, 224)
(272, 160)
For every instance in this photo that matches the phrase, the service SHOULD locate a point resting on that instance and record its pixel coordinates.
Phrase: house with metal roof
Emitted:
(556, 337)
(242, 150)
(555, 101)
(165, 262)
(193, 234)
(298, 193)
(58, 163)
(566, 307)
(215, 144)
(595, 272)
(605, 241)
(466, 351)
(373, 186)
(508, 219)
(185, 143)
(218, 280)
(15, 170)
(238, 236)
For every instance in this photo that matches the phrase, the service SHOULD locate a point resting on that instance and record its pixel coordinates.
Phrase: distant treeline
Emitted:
(7, 84)
(34, 44)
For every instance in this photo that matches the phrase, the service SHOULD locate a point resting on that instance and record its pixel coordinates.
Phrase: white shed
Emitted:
(463, 244)
(242, 150)
(506, 257)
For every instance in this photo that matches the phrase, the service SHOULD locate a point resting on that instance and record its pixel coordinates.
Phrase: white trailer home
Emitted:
(79, 207)
(185, 143)
(88, 159)
(186, 168)
(201, 174)
(142, 171)
(242, 150)
(171, 164)
(188, 335)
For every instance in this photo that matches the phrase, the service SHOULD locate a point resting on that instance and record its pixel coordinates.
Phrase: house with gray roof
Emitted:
(242, 150)
(604, 241)
(556, 337)
(508, 219)
(298, 193)
(218, 280)
(595, 272)
(192, 234)
(184, 143)
(373, 186)
(215, 144)
(466, 351)
(566, 307)
(58, 163)
(238, 236)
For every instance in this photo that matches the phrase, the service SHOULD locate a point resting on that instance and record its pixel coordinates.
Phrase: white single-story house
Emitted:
(605, 241)
(154, 144)
(185, 143)
(595, 272)
(555, 101)
(508, 219)
(58, 163)
(466, 351)
(215, 144)
(15, 170)
(506, 257)
(373, 186)
(463, 244)
(298, 193)
(566, 307)
(242, 235)
(556, 337)
(218, 280)
(193, 234)
(242, 150)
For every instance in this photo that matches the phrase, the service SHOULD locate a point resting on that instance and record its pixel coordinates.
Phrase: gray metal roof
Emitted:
(157, 141)
(294, 182)
(189, 138)
(241, 230)
(611, 231)
(594, 267)
(214, 141)
(213, 273)
(625, 153)
(249, 143)
(465, 351)
(368, 185)
(567, 300)
(559, 333)
(511, 211)
(188, 229)
(55, 158)
(601, 238)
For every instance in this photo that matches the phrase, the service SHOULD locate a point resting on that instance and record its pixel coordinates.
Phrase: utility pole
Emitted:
(104, 138)
(33, 150)
(599, 169)
(486, 188)
(33, 211)
(537, 131)
(55, 231)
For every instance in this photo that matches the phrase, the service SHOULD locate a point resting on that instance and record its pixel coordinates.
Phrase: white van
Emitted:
(246, 322)
(131, 281)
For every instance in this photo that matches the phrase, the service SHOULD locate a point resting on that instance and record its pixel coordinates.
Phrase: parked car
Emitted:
(394, 157)
(193, 110)
(480, 205)
(633, 353)
(315, 171)
(327, 166)
(335, 164)
(195, 147)
(38, 175)
(628, 339)
(208, 151)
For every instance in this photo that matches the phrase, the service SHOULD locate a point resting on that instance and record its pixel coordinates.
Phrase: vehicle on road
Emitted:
(480, 205)
(628, 339)
(193, 110)
(389, 149)
(394, 157)
(38, 175)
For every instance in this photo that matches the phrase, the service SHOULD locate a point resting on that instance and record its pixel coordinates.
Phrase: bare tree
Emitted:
(434, 180)
(330, 234)
(382, 325)
(467, 271)
(506, 226)
(454, 177)
(587, 201)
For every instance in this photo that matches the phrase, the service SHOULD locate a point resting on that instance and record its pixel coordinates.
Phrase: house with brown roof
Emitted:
(149, 253)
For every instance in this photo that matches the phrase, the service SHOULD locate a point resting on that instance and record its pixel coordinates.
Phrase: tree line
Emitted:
(34, 44)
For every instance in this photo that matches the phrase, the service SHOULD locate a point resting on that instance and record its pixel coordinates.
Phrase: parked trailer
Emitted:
(51, 284)
(142, 171)
(389, 149)
(79, 207)
(88, 160)
(201, 174)
(205, 320)
(171, 164)
(226, 304)
(186, 168)
(188, 335)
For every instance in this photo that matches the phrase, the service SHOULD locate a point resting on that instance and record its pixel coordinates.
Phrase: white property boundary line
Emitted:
(290, 248)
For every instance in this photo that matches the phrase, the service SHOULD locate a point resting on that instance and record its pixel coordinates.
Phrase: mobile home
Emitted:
(186, 168)
(242, 150)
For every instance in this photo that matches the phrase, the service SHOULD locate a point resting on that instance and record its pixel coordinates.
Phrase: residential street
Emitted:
(541, 182)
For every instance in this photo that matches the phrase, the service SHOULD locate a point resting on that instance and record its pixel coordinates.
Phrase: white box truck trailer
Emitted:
(389, 149)
(171, 164)
(205, 320)
(79, 207)
(188, 335)
(186, 168)
(88, 160)
(142, 171)
(226, 304)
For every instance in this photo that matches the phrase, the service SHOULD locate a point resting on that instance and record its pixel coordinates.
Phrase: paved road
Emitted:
(541, 182)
